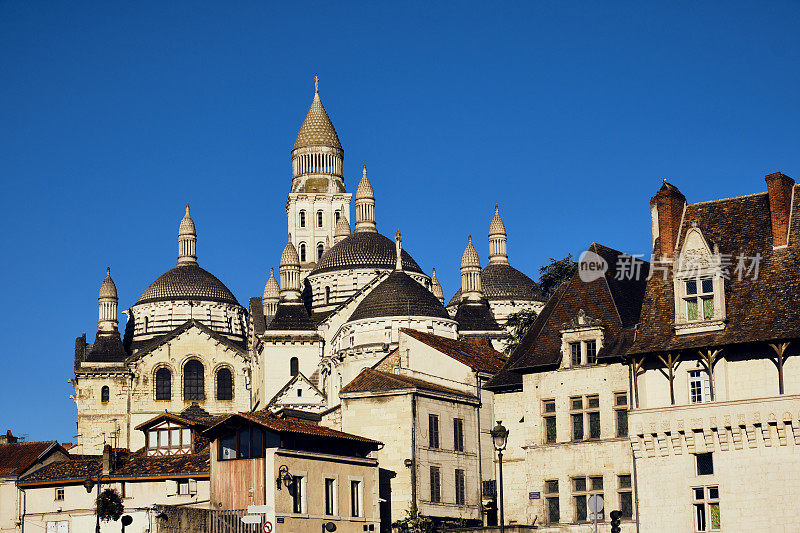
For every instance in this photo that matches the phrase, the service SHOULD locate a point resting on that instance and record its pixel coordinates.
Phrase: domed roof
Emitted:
(470, 257)
(496, 227)
(364, 250)
(317, 128)
(187, 282)
(107, 288)
(399, 295)
(271, 289)
(504, 282)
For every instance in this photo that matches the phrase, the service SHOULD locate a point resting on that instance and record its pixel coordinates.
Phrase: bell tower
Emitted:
(318, 198)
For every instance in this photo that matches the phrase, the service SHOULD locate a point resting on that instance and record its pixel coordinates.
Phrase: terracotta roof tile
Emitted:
(17, 457)
(478, 356)
(369, 380)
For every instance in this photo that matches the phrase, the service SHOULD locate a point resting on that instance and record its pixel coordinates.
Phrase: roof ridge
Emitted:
(731, 198)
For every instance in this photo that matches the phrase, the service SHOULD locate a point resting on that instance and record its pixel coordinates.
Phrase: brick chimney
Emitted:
(779, 188)
(8, 438)
(666, 209)
(106, 459)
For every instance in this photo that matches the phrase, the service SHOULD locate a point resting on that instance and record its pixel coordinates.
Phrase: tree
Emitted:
(517, 325)
(557, 272)
(414, 522)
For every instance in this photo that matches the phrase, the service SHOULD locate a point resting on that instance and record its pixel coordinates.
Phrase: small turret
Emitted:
(187, 240)
(365, 205)
(497, 239)
(436, 287)
(272, 295)
(107, 303)
(342, 230)
(290, 273)
(470, 274)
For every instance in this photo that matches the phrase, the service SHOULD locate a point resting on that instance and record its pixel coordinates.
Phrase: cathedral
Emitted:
(341, 296)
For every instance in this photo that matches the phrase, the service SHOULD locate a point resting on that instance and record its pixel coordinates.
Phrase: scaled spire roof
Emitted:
(317, 128)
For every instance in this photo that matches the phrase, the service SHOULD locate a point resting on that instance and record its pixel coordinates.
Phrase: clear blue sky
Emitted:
(568, 114)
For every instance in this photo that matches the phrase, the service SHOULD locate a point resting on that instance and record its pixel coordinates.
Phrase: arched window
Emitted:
(327, 295)
(319, 219)
(302, 219)
(193, 381)
(337, 215)
(224, 384)
(146, 323)
(320, 251)
(230, 325)
(303, 252)
(294, 366)
(104, 394)
(163, 384)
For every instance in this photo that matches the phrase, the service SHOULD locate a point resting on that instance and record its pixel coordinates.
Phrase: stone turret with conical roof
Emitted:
(436, 287)
(290, 273)
(497, 239)
(107, 302)
(365, 204)
(272, 295)
(342, 230)
(470, 273)
(187, 239)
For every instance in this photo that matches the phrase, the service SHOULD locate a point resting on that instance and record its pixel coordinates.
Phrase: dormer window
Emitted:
(699, 287)
(169, 438)
(699, 297)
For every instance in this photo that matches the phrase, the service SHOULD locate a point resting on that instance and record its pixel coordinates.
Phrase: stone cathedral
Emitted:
(342, 293)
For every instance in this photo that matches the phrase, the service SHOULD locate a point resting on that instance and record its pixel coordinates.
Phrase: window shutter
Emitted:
(172, 487)
(193, 486)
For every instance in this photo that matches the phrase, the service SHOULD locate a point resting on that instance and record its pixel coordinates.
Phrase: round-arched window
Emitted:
(163, 384)
(294, 366)
(193, 381)
(302, 219)
(104, 394)
(224, 384)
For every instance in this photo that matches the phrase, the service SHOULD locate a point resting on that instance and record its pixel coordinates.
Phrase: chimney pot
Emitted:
(779, 190)
(667, 206)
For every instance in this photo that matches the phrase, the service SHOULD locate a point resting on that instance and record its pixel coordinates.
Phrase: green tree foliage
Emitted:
(414, 522)
(518, 324)
(557, 272)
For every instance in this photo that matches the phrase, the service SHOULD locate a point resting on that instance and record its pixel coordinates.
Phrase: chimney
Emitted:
(8, 438)
(666, 209)
(779, 188)
(106, 459)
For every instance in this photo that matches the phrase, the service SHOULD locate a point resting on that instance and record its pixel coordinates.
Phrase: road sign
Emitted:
(595, 503)
(252, 519)
(259, 509)
(267, 527)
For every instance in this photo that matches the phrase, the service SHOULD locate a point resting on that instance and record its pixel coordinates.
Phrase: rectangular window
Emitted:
(127, 489)
(705, 464)
(330, 497)
(298, 494)
(706, 508)
(699, 387)
(591, 353)
(356, 495)
(621, 412)
(460, 487)
(577, 426)
(549, 407)
(594, 425)
(436, 484)
(581, 491)
(183, 487)
(625, 496)
(433, 431)
(227, 447)
(551, 496)
(583, 415)
(60, 494)
(458, 434)
(699, 299)
(575, 353)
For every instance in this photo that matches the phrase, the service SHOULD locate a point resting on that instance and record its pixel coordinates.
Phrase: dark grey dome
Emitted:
(364, 249)
(399, 295)
(504, 282)
(475, 317)
(187, 282)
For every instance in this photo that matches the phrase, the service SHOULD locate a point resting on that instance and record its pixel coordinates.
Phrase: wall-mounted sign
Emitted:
(534, 495)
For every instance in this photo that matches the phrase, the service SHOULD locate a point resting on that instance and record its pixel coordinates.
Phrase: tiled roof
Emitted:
(475, 317)
(317, 128)
(758, 310)
(399, 295)
(369, 380)
(187, 282)
(501, 281)
(106, 348)
(17, 457)
(614, 304)
(192, 416)
(257, 317)
(479, 357)
(364, 250)
(74, 469)
(291, 317)
(291, 426)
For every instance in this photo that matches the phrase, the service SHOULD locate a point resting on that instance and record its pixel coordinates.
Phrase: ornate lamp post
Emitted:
(89, 484)
(500, 438)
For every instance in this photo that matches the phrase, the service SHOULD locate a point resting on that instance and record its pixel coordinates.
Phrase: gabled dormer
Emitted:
(169, 434)
(581, 340)
(699, 285)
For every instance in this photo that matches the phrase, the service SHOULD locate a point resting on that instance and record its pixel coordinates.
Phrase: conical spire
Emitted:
(107, 302)
(317, 128)
(290, 273)
(187, 240)
(497, 239)
(436, 287)
(342, 230)
(365, 205)
(398, 250)
(470, 274)
(271, 295)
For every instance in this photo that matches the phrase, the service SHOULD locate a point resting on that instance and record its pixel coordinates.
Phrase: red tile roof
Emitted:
(370, 379)
(17, 457)
(480, 357)
(285, 425)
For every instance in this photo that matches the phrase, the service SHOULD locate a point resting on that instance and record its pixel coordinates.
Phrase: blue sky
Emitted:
(567, 114)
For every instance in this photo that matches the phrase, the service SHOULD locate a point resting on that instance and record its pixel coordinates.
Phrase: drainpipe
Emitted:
(633, 456)
(480, 457)
(414, 450)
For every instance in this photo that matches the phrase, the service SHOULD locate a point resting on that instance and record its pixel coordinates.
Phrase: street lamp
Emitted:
(89, 484)
(500, 438)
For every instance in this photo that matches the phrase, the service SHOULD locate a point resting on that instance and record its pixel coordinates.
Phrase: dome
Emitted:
(399, 295)
(271, 290)
(364, 250)
(289, 255)
(317, 128)
(187, 282)
(470, 257)
(107, 288)
(496, 227)
(504, 282)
